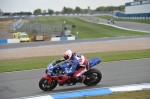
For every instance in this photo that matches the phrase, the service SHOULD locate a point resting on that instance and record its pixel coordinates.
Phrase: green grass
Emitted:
(41, 62)
(128, 20)
(144, 94)
(88, 30)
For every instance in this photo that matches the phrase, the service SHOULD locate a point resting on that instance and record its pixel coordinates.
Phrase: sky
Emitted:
(56, 5)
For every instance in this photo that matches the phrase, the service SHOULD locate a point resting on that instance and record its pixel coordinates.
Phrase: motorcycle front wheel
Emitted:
(93, 77)
(43, 84)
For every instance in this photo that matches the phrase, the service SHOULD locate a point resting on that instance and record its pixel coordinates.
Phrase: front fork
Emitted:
(49, 79)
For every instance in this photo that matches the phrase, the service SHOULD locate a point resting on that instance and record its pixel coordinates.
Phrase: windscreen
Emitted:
(23, 36)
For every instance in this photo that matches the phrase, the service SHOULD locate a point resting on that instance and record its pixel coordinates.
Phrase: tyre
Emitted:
(93, 77)
(43, 84)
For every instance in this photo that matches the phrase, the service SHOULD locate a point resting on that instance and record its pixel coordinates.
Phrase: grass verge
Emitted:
(144, 94)
(128, 20)
(41, 62)
(5, 23)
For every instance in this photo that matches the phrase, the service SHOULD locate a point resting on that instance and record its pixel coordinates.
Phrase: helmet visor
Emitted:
(66, 57)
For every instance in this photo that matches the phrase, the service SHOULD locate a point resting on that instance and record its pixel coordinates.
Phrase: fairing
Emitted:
(49, 79)
(94, 61)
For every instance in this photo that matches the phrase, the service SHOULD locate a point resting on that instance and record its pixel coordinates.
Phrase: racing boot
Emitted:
(81, 78)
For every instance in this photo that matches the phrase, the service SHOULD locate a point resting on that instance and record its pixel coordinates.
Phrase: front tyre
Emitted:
(43, 84)
(93, 77)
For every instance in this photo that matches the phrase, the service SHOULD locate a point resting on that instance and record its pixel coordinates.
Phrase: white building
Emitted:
(139, 7)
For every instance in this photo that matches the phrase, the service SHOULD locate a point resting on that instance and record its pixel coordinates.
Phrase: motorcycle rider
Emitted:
(77, 60)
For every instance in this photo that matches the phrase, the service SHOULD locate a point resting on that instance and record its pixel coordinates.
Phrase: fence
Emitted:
(16, 24)
(38, 28)
(31, 18)
(41, 28)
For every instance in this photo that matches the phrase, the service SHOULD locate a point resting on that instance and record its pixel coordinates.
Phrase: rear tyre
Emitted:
(43, 84)
(93, 77)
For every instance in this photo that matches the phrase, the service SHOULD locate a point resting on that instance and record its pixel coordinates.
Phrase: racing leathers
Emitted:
(77, 60)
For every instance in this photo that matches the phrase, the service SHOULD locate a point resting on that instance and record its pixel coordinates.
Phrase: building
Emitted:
(140, 9)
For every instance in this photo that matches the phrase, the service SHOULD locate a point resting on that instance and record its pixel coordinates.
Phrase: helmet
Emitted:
(67, 54)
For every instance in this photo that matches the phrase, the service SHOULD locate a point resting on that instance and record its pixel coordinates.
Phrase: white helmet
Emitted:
(67, 54)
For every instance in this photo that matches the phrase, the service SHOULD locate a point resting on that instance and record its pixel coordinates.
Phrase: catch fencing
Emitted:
(41, 28)
(16, 24)
(37, 27)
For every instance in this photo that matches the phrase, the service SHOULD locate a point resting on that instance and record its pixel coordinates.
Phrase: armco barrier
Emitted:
(122, 16)
(4, 41)
(63, 38)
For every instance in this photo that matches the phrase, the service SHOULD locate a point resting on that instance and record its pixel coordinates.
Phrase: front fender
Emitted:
(48, 77)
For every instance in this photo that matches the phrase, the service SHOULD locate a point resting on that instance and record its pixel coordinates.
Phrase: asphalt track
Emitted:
(129, 25)
(25, 83)
(57, 43)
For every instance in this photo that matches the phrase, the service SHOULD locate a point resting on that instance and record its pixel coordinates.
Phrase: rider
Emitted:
(77, 60)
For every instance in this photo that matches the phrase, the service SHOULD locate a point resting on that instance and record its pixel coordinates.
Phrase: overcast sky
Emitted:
(56, 5)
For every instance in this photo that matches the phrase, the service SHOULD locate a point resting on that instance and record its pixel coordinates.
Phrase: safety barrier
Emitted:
(63, 38)
(122, 16)
(4, 41)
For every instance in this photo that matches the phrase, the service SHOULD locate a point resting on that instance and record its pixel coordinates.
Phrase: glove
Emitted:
(57, 61)
(56, 66)
(54, 63)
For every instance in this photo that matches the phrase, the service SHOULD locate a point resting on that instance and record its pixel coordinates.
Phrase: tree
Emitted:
(136, 0)
(1, 13)
(84, 11)
(121, 7)
(44, 11)
(7, 14)
(77, 10)
(70, 10)
(101, 9)
(65, 10)
(37, 11)
(51, 11)
(110, 8)
(57, 12)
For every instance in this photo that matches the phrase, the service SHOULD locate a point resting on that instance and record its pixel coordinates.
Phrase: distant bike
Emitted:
(113, 21)
(55, 75)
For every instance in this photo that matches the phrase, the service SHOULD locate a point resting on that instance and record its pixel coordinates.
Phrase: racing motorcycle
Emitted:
(55, 75)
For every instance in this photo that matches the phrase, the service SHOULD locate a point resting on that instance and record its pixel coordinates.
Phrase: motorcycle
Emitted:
(54, 75)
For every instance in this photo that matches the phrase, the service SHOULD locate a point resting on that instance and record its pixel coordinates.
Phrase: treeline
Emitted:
(17, 13)
(64, 11)
(68, 10)
(110, 8)
(80, 10)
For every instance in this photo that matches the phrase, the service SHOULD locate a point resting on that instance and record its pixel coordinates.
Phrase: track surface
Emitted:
(25, 83)
(48, 43)
(129, 25)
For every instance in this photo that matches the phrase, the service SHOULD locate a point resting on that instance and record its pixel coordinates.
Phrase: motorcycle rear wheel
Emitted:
(94, 76)
(43, 84)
